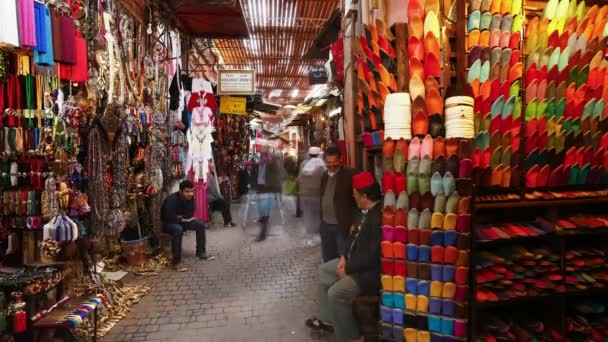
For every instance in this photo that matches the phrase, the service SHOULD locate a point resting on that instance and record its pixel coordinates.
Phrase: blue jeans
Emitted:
(264, 203)
(176, 230)
(332, 241)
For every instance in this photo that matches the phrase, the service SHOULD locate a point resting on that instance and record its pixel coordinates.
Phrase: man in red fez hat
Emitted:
(357, 271)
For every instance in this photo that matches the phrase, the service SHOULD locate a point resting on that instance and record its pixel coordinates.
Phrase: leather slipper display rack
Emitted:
(528, 134)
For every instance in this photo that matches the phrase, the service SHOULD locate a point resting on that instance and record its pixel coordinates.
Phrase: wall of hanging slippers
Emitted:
(539, 166)
(509, 177)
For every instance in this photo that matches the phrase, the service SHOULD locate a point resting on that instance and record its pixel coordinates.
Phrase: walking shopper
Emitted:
(266, 187)
(309, 189)
(338, 207)
(357, 271)
(215, 198)
(177, 214)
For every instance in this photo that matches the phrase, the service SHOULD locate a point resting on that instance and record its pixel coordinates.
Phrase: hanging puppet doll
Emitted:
(202, 105)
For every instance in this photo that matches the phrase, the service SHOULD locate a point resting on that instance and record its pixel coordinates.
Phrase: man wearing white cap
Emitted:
(309, 189)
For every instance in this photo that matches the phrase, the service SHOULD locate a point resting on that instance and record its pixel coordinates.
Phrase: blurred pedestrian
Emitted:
(215, 199)
(309, 189)
(268, 184)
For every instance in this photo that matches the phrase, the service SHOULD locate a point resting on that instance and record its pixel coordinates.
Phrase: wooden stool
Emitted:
(366, 311)
(164, 241)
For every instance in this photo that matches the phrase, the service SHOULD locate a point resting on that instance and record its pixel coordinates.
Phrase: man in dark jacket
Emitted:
(215, 199)
(177, 214)
(357, 271)
(338, 206)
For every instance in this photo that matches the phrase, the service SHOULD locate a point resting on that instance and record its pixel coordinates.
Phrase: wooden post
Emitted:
(461, 33)
(385, 11)
(349, 27)
(403, 65)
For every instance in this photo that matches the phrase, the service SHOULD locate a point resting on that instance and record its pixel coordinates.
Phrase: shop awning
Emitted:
(207, 18)
(327, 36)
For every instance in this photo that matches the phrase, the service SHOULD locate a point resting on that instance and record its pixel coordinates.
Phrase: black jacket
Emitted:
(362, 252)
(344, 203)
(175, 206)
(273, 179)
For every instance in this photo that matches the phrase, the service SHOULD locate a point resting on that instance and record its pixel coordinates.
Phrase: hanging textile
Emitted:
(68, 40)
(9, 34)
(200, 197)
(56, 33)
(79, 72)
(27, 23)
(45, 57)
(39, 17)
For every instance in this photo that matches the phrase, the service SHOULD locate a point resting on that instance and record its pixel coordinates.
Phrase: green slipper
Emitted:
(588, 109)
(424, 183)
(496, 157)
(518, 20)
(583, 75)
(498, 106)
(531, 109)
(515, 88)
(560, 109)
(517, 108)
(554, 58)
(412, 183)
(564, 57)
(599, 108)
(551, 108)
(541, 111)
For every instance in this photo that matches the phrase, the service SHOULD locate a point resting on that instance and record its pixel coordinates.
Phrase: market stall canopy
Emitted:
(327, 36)
(280, 32)
(208, 18)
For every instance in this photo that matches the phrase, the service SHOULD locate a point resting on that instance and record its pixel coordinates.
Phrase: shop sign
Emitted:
(317, 75)
(236, 82)
(233, 105)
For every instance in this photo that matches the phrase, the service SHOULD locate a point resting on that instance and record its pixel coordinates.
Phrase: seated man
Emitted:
(215, 198)
(177, 214)
(357, 271)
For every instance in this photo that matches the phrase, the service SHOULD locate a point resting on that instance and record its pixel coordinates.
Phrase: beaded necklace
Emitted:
(121, 172)
(97, 191)
(50, 205)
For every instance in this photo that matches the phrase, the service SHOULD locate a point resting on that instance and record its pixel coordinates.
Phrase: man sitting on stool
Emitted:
(215, 198)
(357, 271)
(177, 214)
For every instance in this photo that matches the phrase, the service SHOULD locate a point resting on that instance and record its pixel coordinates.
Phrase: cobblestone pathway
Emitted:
(250, 292)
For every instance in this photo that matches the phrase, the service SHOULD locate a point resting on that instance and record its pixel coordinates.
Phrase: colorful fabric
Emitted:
(45, 57)
(9, 34)
(40, 20)
(27, 23)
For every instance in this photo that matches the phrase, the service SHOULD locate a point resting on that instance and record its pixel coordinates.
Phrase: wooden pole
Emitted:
(403, 65)
(461, 33)
(349, 25)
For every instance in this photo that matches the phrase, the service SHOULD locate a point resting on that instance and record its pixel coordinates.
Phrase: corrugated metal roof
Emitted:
(281, 32)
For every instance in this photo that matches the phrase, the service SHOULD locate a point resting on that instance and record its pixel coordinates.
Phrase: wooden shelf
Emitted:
(40, 264)
(540, 203)
(565, 233)
(528, 299)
